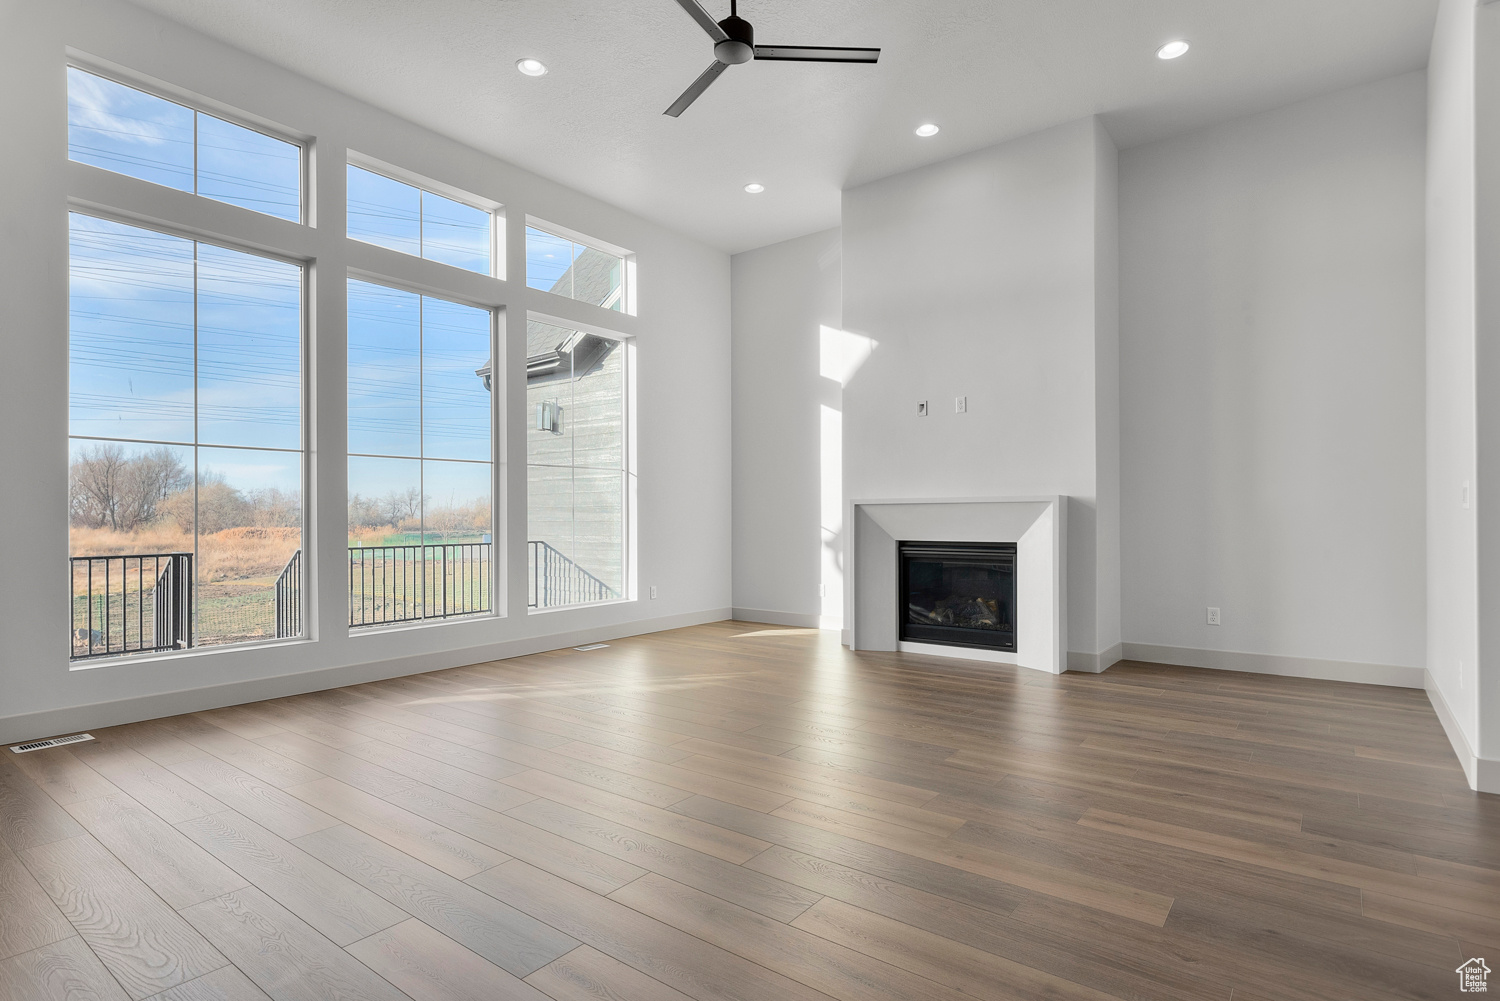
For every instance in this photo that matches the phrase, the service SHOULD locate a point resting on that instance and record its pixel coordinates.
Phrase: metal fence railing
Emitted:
(554, 579)
(289, 598)
(145, 602)
(131, 604)
(409, 583)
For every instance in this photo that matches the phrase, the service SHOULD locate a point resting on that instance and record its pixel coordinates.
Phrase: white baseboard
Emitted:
(71, 719)
(1486, 775)
(798, 620)
(1391, 675)
(1483, 773)
(1096, 663)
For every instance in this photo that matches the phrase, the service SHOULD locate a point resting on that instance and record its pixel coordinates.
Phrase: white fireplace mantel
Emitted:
(1037, 525)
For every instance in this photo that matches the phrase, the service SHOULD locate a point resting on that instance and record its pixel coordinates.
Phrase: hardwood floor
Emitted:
(738, 812)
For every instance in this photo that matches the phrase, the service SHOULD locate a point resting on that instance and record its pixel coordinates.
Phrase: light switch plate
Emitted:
(921, 408)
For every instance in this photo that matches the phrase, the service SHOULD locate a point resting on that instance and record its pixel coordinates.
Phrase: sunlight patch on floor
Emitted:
(776, 632)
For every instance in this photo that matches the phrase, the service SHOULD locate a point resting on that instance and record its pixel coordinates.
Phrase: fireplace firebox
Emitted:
(959, 594)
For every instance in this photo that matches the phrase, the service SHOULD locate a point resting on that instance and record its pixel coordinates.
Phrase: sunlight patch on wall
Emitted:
(841, 353)
(831, 517)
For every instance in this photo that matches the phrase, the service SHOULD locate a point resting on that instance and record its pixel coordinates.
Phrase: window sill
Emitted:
(118, 660)
(574, 608)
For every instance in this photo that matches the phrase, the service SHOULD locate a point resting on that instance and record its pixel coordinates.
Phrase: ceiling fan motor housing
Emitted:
(739, 47)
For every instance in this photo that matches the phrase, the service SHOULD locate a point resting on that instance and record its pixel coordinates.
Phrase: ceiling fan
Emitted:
(734, 43)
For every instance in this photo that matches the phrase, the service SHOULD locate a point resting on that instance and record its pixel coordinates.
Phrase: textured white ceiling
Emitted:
(985, 70)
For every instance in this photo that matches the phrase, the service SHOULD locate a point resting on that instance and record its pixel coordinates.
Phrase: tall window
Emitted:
(186, 450)
(131, 132)
(568, 268)
(577, 484)
(409, 219)
(420, 457)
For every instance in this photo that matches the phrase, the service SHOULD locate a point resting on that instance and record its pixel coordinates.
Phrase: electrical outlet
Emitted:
(1213, 616)
(822, 590)
(653, 592)
(960, 404)
(921, 408)
(1465, 496)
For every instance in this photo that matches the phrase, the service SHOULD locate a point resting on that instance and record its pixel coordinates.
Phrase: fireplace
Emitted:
(959, 594)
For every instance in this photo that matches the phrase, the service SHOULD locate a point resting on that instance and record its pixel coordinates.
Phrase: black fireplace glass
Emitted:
(959, 594)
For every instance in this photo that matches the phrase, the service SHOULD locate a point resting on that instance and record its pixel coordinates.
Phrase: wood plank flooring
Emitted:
(738, 812)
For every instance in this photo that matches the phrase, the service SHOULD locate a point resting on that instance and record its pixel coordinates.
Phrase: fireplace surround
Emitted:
(959, 594)
(1035, 525)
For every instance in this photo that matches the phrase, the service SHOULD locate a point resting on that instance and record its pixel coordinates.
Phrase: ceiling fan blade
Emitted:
(704, 18)
(698, 87)
(815, 53)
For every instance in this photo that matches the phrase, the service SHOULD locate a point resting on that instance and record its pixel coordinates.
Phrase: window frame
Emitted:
(499, 553)
(495, 210)
(199, 104)
(628, 257)
(307, 267)
(628, 470)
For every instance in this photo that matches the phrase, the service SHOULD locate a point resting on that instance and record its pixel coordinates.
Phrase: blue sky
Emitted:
(417, 411)
(130, 132)
(132, 338)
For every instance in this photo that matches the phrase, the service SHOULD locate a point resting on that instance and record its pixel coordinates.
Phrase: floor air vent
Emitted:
(37, 745)
(591, 646)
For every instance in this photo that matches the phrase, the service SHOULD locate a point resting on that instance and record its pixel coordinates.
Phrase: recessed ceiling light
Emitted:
(754, 189)
(927, 130)
(1172, 49)
(531, 67)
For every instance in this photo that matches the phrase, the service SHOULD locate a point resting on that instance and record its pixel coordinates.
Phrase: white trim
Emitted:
(969, 653)
(577, 236)
(1096, 663)
(1483, 774)
(1392, 675)
(798, 620)
(70, 719)
(413, 286)
(880, 632)
(607, 333)
(413, 179)
(193, 101)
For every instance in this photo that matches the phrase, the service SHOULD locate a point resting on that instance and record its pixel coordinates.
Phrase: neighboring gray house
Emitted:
(575, 467)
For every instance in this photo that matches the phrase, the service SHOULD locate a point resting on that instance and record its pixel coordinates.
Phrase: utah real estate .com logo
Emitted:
(1471, 976)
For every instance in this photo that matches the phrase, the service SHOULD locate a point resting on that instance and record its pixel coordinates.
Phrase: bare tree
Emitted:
(364, 512)
(221, 506)
(109, 487)
(274, 508)
(93, 486)
(150, 478)
(403, 505)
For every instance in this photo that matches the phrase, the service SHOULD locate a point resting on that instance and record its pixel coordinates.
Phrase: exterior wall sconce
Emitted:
(549, 417)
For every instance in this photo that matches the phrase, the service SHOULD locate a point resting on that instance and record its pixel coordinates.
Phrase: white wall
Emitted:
(681, 335)
(788, 502)
(1108, 580)
(1272, 385)
(982, 276)
(1452, 614)
(1486, 389)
